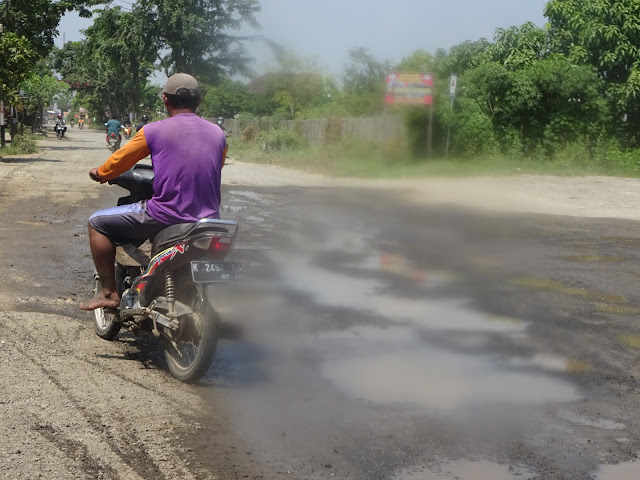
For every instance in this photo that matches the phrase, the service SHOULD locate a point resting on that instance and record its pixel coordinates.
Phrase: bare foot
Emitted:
(102, 301)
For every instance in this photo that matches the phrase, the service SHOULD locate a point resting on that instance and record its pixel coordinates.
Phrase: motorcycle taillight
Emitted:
(215, 245)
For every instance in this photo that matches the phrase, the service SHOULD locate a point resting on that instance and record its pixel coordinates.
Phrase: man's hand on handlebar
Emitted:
(95, 176)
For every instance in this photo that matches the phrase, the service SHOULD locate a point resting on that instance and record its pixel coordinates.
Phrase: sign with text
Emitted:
(409, 89)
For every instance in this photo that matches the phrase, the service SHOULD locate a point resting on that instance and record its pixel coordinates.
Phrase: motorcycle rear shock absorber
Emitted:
(170, 290)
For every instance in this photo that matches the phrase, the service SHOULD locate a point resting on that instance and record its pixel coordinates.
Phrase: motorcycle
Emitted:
(80, 125)
(127, 131)
(163, 287)
(113, 142)
(60, 129)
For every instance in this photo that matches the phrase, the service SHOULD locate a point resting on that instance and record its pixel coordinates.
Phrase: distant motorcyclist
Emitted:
(143, 122)
(220, 122)
(113, 126)
(71, 122)
(60, 119)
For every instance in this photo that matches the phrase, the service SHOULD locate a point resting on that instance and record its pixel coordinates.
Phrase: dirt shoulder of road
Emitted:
(581, 196)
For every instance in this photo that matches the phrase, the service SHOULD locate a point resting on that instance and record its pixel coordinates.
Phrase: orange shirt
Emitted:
(126, 157)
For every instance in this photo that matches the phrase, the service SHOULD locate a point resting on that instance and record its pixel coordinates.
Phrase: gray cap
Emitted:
(183, 85)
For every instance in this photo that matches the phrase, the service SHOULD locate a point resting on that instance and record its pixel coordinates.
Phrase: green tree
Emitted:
(37, 20)
(196, 35)
(41, 90)
(420, 61)
(604, 34)
(226, 99)
(460, 58)
(518, 47)
(117, 59)
(364, 82)
(17, 58)
(72, 63)
(296, 89)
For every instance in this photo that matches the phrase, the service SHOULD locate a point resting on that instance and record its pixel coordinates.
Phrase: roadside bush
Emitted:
(249, 133)
(277, 140)
(245, 119)
(473, 134)
(333, 131)
(25, 143)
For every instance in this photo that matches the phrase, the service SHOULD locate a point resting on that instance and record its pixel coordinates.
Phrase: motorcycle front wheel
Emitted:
(106, 324)
(197, 339)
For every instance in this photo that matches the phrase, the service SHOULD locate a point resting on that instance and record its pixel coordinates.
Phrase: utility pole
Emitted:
(1, 109)
(452, 94)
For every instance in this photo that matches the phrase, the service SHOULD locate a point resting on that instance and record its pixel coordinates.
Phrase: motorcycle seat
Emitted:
(172, 235)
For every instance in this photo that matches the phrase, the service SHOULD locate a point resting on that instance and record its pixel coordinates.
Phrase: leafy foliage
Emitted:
(280, 139)
(364, 82)
(604, 34)
(16, 59)
(196, 34)
(37, 21)
(41, 90)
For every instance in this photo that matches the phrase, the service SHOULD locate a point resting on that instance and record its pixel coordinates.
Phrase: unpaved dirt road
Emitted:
(479, 329)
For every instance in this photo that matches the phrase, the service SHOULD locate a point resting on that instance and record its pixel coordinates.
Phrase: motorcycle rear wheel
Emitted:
(198, 340)
(106, 324)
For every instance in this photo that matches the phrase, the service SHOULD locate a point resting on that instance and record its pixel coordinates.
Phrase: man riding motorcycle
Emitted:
(144, 121)
(113, 126)
(187, 155)
(60, 125)
(60, 119)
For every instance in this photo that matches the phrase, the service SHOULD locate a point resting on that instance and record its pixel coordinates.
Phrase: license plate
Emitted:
(204, 272)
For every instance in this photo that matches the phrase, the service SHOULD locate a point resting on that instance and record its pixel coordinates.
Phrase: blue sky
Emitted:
(325, 30)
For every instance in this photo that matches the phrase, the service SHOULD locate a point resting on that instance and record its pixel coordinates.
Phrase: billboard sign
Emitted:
(409, 89)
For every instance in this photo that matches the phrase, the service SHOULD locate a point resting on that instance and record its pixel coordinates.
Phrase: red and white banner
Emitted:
(409, 89)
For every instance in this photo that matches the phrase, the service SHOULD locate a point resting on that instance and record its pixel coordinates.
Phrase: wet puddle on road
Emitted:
(391, 367)
(602, 423)
(398, 364)
(558, 287)
(250, 196)
(466, 470)
(591, 258)
(621, 471)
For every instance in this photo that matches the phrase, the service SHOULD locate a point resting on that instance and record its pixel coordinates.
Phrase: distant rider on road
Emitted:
(144, 121)
(113, 126)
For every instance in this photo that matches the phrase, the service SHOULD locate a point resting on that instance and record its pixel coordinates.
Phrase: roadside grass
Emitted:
(22, 144)
(351, 159)
(8, 151)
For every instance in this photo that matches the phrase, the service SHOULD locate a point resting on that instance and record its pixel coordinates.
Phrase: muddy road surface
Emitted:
(481, 329)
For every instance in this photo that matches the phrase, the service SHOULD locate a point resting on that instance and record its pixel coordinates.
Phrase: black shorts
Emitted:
(126, 224)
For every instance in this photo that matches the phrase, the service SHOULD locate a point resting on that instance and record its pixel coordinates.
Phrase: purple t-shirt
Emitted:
(186, 154)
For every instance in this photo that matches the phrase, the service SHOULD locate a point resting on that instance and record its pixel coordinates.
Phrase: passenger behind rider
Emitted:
(113, 126)
(187, 155)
